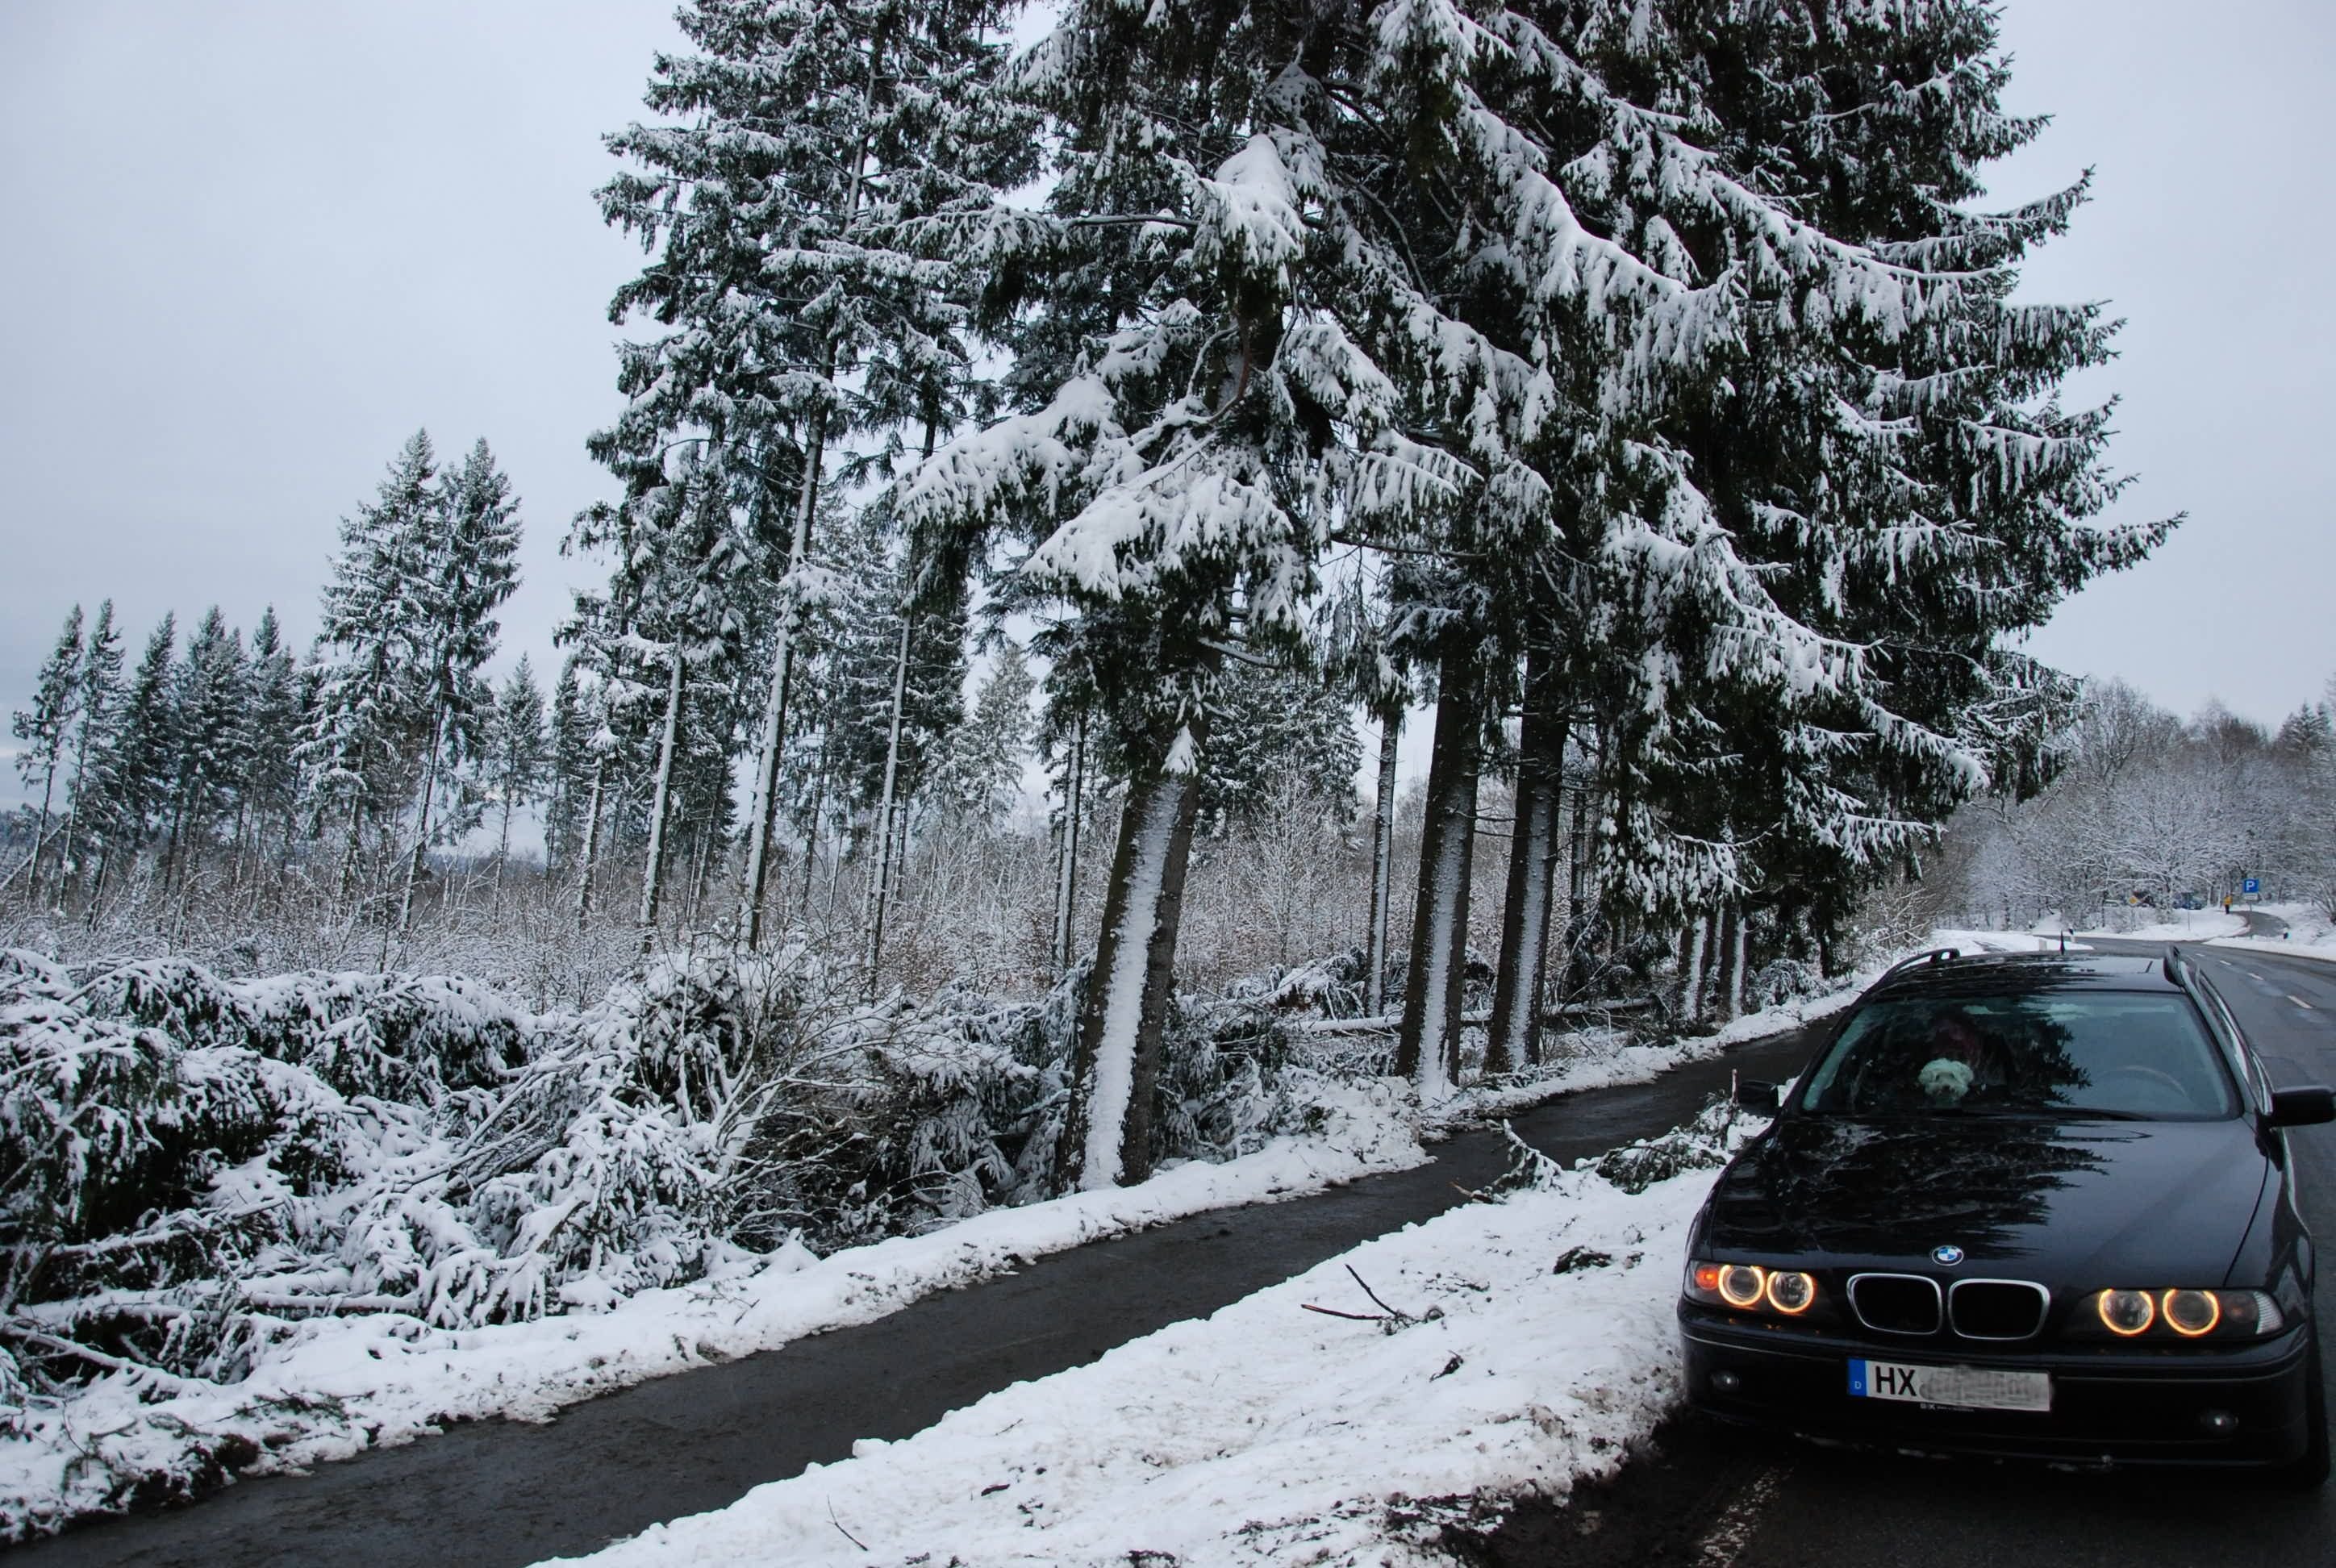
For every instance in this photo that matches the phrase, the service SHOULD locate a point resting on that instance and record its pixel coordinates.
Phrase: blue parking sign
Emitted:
(2252, 885)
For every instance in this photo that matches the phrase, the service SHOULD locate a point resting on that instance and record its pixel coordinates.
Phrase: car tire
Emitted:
(2310, 1473)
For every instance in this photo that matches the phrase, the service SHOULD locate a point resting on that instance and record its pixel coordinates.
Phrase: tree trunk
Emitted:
(1374, 942)
(503, 854)
(1427, 1049)
(1514, 1038)
(1067, 870)
(1730, 975)
(882, 888)
(422, 823)
(1692, 991)
(660, 801)
(97, 883)
(1578, 891)
(589, 851)
(41, 835)
(1115, 1065)
(762, 812)
(347, 882)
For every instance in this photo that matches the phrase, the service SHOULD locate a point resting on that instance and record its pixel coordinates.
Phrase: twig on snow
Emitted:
(1334, 1312)
(848, 1535)
(1374, 1295)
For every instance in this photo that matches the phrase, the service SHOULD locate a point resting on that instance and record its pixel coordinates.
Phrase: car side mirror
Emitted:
(1763, 1099)
(2305, 1105)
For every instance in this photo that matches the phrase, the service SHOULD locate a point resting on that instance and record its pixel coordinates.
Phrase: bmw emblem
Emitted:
(1947, 1256)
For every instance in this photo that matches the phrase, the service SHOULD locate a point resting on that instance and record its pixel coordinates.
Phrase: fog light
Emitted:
(2218, 1422)
(1726, 1382)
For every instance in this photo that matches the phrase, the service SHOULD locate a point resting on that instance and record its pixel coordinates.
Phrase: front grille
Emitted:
(1998, 1309)
(1895, 1303)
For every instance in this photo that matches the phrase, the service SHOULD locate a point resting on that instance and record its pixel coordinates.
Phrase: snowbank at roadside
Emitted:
(2183, 926)
(1978, 941)
(2309, 933)
(341, 1384)
(346, 1384)
(1268, 1433)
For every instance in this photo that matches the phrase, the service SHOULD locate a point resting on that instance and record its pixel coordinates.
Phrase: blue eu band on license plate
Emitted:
(1966, 1387)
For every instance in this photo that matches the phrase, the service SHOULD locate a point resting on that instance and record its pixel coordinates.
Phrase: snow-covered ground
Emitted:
(1269, 1433)
(2309, 933)
(342, 1384)
(2179, 926)
(348, 1383)
(1976, 941)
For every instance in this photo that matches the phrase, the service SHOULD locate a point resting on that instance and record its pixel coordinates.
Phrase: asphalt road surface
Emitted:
(1712, 1498)
(497, 1493)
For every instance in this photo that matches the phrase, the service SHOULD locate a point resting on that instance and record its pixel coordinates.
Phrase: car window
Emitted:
(2110, 1053)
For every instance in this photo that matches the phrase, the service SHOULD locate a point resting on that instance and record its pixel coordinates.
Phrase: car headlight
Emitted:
(1751, 1288)
(2162, 1314)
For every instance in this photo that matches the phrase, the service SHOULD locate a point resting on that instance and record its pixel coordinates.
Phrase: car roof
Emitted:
(1996, 972)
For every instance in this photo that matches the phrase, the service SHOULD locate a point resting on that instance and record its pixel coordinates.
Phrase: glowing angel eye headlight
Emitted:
(2191, 1313)
(2127, 1313)
(1758, 1288)
(2181, 1313)
(1791, 1293)
(1743, 1284)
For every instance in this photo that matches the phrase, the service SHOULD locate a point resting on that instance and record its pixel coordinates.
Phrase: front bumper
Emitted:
(2110, 1406)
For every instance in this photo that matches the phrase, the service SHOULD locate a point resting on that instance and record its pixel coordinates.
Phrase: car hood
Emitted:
(2077, 1202)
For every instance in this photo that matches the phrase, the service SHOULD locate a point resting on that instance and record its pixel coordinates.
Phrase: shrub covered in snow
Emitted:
(192, 1166)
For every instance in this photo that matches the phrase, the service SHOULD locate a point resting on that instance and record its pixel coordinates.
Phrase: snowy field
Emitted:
(1269, 1433)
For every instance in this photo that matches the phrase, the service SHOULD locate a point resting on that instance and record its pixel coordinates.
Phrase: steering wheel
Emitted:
(2174, 1095)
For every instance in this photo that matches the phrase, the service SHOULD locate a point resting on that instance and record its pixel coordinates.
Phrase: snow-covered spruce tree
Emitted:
(606, 767)
(43, 728)
(134, 768)
(99, 690)
(894, 674)
(804, 303)
(466, 560)
(1362, 658)
(1194, 415)
(358, 741)
(571, 783)
(1282, 737)
(268, 790)
(1829, 541)
(1606, 256)
(686, 550)
(978, 773)
(516, 759)
(210, 739)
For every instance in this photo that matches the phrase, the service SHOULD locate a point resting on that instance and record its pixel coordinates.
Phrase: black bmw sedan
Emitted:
(2035, 1206)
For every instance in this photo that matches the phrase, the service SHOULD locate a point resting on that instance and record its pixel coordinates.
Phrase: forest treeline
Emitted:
(2148, 811)
(1639, 385)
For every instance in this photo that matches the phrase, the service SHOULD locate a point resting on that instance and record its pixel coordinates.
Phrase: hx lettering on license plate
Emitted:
(1966, 1387)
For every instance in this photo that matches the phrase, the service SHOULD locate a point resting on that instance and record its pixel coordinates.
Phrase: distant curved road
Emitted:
(1711, 1499)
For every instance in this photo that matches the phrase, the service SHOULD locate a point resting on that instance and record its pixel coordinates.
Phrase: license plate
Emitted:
(1965, 1387)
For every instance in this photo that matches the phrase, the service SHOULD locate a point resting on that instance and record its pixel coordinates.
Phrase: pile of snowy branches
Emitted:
(194, 1166)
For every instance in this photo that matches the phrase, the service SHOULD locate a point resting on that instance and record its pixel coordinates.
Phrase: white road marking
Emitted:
(1732, 1531)
(2300, 1002)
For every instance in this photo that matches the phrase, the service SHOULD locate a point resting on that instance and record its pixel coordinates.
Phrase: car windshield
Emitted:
(2101, 1053)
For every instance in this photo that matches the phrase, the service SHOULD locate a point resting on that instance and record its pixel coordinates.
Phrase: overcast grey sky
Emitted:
(252, 244)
